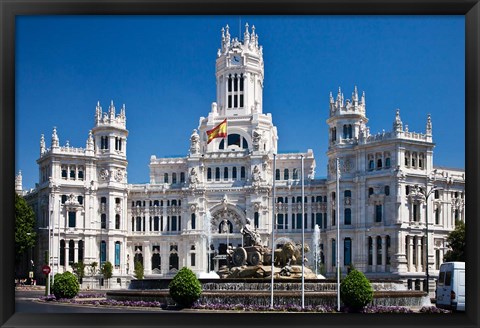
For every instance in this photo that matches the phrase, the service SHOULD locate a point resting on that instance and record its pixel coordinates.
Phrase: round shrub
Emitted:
(65, 285)
(356, 290)
(185, 288)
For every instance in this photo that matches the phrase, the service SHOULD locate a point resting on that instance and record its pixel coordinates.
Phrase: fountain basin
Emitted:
(257, 292)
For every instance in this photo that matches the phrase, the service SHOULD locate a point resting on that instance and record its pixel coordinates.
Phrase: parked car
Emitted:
(450, 292)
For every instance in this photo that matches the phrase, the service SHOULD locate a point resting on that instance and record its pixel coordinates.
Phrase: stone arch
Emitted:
(232, 213)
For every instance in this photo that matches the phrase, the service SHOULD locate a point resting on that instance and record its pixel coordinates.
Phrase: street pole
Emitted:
(337, 220)
(303, 235)
(273, 228)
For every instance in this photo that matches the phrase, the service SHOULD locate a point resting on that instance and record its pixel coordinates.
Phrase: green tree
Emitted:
(356, 290)
(138, 271)
(65, 286)
(456, 242)
(107, 271)
(185, 288)
(24, 228)
(79, 270)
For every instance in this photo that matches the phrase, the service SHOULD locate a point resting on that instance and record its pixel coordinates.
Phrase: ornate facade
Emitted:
(207, 196)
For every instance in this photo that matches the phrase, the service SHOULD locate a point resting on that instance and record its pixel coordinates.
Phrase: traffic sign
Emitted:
(46, 269)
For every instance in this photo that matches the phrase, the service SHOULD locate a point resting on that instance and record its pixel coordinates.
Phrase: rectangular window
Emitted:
(256, 218)
(174, 223)
(72, 218)
(192, 259)
(299, 221)
(348, 216)
(229, 101)
(280, 221)
(378, 213)
(347, 251)
(241, 101)
(117, 254)
(103, 252)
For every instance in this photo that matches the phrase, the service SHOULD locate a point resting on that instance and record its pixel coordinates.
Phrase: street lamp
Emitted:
(427, 194)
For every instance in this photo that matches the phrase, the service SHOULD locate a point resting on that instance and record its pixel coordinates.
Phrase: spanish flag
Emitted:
(220, 131)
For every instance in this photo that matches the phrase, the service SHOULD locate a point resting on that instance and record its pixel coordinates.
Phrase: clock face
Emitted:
(236, 60)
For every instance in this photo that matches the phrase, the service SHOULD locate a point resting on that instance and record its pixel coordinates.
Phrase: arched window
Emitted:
(71, 252)
(156, 223)
(225, 173)
(387, 190)
(334, 134)
(285, 174)
(209, 174)
(182, 177)
(242, 173)
(319, 199)
(379, 163)
(347, 252)
(350, 131)
(370, 191)
(156, 260)
(371, 165)
(370, 251)
(348, 216)
(64, 199)
(174, 177)
(280, 200)
(80, 251)
(193, 221)
(345, 132)
(347, 193)
(138, 224)
(62, 252)
(165, 178)
(217, 174)
(277, 174)
(379, 250)
(234, 173)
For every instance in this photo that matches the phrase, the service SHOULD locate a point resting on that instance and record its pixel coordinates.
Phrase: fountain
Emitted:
(246, 279)
(210, 274)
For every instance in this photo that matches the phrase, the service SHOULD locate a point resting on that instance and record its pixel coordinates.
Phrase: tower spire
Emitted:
(42, 144)
(55, 140)
(397, 124)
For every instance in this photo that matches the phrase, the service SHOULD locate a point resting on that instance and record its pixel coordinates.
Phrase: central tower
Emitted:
(239, 74)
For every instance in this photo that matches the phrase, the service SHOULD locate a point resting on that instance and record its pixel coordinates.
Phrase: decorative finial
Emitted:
(55, 140)
(246, 35)
(429, 124)
(90, 141)
(42, 144)
(397, 124)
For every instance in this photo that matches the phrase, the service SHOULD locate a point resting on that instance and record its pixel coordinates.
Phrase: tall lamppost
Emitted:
(427, 194)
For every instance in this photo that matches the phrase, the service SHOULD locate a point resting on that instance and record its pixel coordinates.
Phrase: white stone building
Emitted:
(97, 216)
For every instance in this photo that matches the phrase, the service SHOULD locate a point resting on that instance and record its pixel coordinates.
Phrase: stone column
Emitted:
(75, 251)
(419, 255)
(410, 253)
(147, 257)
(374, 254)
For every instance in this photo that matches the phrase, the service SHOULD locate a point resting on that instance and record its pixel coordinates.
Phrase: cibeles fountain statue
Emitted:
(253, 260)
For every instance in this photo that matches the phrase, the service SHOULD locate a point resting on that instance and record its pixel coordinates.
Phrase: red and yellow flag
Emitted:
(220, 131)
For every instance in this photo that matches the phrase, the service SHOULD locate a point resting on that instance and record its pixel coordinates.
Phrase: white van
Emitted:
(450, 293)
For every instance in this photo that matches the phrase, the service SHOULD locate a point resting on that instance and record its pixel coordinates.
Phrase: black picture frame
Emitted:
(9, 9)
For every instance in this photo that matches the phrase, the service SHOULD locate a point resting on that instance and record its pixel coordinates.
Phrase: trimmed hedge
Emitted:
(356, 290)
(185, 288)
(66, 285)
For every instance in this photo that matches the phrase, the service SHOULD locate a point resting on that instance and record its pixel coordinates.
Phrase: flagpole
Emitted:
(303, 236)
(273, 229)
(337, 220)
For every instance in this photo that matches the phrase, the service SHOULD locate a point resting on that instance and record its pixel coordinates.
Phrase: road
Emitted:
(25, 302)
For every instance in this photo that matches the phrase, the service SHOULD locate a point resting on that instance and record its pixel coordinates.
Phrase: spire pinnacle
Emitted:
(42, 144)
(55, 140)
(397, 124)
(429, 125)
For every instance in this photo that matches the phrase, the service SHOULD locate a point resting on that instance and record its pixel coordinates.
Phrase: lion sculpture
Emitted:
(289, 254)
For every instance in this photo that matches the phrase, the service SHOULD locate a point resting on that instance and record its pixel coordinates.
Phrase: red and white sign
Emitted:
(46, 269)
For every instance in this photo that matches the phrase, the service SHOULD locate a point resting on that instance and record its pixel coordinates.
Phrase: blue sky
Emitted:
(163, 69)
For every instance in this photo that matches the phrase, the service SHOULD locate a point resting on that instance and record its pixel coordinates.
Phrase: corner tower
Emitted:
(239, 74)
